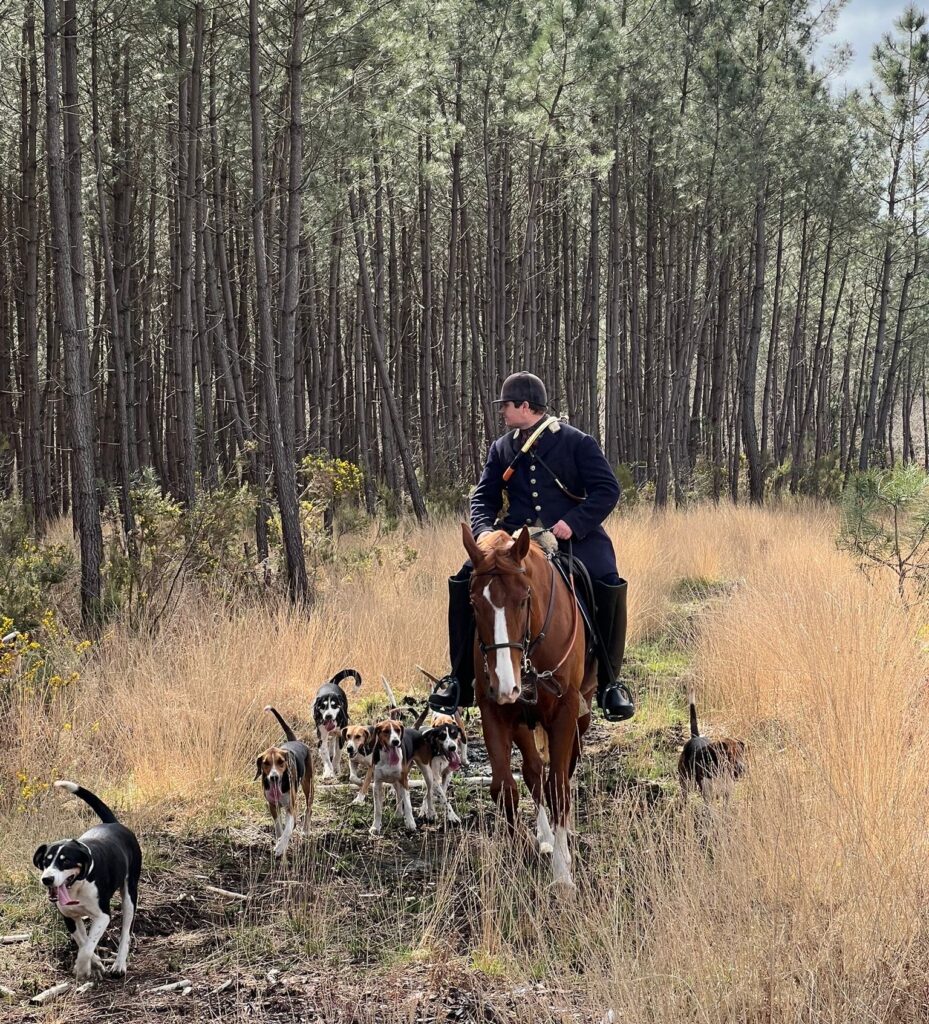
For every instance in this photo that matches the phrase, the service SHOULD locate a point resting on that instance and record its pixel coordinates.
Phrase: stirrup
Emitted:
(444, 698)
(615, 702)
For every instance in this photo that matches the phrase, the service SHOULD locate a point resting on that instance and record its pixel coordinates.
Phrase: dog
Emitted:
(396, 749)
(283, 770)
(358, 742)
(447, 747)
(439, 719)
(82, 875)
(709, 765)
(330, 713)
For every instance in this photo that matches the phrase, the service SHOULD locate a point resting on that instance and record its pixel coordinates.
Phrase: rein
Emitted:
(530, 642)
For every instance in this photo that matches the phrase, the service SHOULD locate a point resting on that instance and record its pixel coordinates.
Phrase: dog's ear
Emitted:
(258, 762)
(343, 733)
(39, 855)
(86, 860)
(292, 771)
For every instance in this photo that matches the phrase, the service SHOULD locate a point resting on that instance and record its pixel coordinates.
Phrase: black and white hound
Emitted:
(330, 713)
(82, 875)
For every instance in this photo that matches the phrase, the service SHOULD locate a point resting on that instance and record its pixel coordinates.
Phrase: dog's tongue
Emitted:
(329, 725)
(393, 756)
(64, 897)
(274, 793)
(454, 762)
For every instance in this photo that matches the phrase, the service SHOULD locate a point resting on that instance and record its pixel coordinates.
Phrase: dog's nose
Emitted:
(47, 880)
(395, 743)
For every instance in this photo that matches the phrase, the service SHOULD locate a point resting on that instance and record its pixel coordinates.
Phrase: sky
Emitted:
(861, 23)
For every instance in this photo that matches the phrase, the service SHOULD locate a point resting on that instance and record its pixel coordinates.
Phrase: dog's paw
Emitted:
(84, 970)
(453, 818)
(280, 850)
(374, 831)
(117, 970)
(360, 799)
(546, 848)
(410, 826)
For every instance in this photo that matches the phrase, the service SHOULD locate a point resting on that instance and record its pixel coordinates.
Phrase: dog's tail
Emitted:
(694, 727)
(288, 732)
(346, 673)
(92, 801)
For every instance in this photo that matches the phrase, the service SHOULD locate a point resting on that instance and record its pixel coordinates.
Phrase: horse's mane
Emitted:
(496, 547)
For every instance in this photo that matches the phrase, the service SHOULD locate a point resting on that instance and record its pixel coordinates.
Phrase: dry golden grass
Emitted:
(802, 900)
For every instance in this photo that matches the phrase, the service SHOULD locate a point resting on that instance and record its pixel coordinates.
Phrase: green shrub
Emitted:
(885, 525)
(28, 569)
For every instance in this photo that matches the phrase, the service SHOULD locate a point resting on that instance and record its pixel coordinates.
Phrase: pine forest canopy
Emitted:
(234, 238)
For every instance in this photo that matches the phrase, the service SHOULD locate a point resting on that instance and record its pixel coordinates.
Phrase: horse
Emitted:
(529, 636)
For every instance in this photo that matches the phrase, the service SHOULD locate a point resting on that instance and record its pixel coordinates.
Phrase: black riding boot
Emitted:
(457, 688)
(613, 696)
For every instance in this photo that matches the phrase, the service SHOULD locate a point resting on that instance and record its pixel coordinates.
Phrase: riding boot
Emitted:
(613, 696)
(457, 688)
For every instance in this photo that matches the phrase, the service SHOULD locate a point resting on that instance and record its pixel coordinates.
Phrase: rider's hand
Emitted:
(562, 531)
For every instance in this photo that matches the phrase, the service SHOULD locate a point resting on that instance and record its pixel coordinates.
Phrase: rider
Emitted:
(562, 482)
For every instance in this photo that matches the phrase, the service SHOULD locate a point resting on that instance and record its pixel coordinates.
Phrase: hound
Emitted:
(82, 875)
(439, 719)
(330, 713)
(446, 747)
(709, 765)
(396, 750)
(358, 742)
(283, 770)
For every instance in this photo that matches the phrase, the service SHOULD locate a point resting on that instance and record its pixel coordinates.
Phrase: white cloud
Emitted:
(860, 25)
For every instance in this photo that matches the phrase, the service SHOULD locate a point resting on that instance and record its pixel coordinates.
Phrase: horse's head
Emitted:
(500, 597)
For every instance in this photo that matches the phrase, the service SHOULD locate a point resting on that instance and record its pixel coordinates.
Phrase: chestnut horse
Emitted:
(529, 634)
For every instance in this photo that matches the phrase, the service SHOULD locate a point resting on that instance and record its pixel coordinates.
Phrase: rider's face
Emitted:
(517, 416)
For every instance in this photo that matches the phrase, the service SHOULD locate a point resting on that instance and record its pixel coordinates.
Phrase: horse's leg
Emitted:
(578, 734)
(588, 688)
(563, 742)
(498, 741)
(524, 738)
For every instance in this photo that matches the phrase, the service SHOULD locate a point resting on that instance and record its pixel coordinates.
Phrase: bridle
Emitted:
(529, 642)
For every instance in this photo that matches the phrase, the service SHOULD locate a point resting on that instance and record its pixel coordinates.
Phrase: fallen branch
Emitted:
(50, 993)
(174, 986)
(226, 892)
(8, 940)
(7, 993)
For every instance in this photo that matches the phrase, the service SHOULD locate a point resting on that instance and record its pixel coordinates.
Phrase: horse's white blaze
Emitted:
(508, 685)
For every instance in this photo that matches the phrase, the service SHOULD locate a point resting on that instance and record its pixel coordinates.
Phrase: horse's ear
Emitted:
(467, 537)
(521, 547)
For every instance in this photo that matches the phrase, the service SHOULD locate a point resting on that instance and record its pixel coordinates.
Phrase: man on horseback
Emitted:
(556, 476)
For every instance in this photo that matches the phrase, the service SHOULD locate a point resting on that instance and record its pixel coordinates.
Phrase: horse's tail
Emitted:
(694, 727)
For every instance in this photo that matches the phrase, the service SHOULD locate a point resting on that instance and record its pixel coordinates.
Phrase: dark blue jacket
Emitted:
(533, 496)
